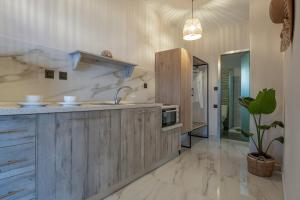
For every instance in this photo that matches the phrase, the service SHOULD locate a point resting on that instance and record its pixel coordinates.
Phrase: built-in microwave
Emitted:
(170, 115)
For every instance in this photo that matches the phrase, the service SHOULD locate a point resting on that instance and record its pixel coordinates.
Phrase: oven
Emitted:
(170, 115)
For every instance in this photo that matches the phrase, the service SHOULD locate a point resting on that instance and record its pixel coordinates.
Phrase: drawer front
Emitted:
(17, 130)
(16, 160)
(20, 187)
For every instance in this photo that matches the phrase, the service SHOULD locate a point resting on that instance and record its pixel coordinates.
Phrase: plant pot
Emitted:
(260, 165)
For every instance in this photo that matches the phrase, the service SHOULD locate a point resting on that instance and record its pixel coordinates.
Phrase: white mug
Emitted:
(33, 98)
(69, 99)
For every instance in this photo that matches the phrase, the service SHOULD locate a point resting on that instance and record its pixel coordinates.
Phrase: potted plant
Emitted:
(260, 163)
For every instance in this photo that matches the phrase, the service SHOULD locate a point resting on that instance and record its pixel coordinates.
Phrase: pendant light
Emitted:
(192, 29)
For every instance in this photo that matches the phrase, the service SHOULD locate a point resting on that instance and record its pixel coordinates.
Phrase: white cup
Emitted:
(33, 98)
(69, 99)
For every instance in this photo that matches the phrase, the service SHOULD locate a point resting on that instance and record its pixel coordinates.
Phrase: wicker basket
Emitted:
(260, 166)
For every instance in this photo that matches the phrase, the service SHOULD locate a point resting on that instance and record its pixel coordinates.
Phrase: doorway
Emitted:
(235, 83)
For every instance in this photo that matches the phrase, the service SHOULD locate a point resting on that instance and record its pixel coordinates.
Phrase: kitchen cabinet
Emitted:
(170, 143)
(80, 155)
(132, 142)
(173, 80)
(62, 156)
(17, 157)
(152, 136)
(104, 151)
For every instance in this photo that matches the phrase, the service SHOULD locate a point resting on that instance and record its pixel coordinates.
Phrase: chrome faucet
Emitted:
(117, 98)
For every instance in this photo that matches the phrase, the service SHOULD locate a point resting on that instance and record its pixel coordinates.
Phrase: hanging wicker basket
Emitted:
(260, 166)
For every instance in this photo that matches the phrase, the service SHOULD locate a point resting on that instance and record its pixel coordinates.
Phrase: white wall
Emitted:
(214, 43)
(292, 114)
(131, 29)
(266, 62)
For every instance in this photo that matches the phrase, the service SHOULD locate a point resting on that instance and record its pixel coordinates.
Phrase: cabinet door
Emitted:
(104, 151)
(61, 156)
(20, 187)
(169, 143)
(186, 91)
(15, 130)
(152, 130)
(132, 142)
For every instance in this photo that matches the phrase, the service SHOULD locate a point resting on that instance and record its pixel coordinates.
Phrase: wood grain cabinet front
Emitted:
(15, 160)
(15, 130)
(62, 145)
(17, 157)
(132, 142)
(78, 155)
(104, 154)
(151, 136)
(170, 143)
(20, 187)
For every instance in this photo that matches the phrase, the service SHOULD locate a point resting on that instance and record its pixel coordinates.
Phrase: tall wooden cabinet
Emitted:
(173, 75)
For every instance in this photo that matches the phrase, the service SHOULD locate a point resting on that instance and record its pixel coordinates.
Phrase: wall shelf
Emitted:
(85, 57)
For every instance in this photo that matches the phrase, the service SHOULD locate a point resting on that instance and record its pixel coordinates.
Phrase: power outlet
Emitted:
(63, 76)
(49, 74)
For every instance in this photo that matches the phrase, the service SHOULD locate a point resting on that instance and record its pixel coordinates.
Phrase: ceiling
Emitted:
(212, 13)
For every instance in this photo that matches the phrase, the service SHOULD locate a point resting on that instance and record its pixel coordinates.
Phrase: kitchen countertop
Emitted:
(15, 109)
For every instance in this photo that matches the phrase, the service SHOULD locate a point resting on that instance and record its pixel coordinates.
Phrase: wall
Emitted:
(266, 63)
(292, 114)
(215, 42)
(38, 34)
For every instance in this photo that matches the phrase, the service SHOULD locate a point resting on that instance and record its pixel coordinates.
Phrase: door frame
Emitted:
(220, 86)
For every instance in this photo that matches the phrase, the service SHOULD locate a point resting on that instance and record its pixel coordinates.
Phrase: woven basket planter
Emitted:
(260, 166)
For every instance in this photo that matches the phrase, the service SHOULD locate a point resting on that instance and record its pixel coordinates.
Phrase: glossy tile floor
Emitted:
(212, 170)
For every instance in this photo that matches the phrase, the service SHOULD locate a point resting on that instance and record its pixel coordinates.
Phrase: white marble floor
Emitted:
(212, 170)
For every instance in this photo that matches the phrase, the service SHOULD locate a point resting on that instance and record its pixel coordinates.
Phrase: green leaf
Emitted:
(264, 127)
(244, 133)
(273, 125)
(264, 103)
(280, 139)
(277, 123)
(245, 101)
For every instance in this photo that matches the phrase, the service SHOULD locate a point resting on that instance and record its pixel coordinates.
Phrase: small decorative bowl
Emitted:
(106, 53)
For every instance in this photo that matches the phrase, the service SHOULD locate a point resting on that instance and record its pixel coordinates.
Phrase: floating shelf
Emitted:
(85, 57)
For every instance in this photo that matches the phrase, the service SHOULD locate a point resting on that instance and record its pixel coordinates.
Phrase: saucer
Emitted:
(69, 103)
(32, 104)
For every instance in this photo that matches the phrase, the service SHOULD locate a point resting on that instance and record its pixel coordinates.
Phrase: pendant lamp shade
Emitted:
(192, 29)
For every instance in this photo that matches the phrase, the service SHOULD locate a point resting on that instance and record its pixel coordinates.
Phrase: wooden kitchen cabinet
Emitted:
(139, 140)
(170, 143)
(62, 156)
(77, 155)
(83, 154)
(104, 153)
(132, 142)
(151, 136)
(17, 157)
(173, 82)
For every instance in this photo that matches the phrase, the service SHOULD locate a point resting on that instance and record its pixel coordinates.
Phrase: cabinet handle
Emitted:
(12, 131)
(12, 162)
(9, 194)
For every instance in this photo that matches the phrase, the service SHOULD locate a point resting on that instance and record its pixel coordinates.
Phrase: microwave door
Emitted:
(169, 118)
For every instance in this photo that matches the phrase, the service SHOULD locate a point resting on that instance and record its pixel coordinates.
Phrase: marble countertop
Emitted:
(15, 109)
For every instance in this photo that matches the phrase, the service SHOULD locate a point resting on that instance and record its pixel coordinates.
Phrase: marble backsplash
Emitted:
(22, 72)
